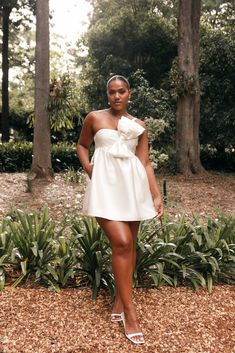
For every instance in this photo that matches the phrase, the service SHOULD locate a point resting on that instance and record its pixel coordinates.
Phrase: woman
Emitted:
(121, 192)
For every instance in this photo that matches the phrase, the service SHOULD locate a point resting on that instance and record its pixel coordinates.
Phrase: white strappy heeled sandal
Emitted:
(131, 336)
(116, 317)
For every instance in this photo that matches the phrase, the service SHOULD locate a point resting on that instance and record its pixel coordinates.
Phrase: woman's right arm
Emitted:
(84, 142)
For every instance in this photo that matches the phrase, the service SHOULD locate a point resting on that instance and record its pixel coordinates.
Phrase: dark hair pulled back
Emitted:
(119, 77)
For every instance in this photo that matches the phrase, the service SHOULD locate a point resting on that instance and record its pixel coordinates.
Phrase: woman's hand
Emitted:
(89, 170)
(158, 204)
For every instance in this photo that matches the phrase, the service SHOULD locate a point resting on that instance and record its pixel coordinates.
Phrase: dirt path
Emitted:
(208, 195)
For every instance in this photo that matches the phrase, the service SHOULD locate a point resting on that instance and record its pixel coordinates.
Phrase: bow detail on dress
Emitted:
(120, 150)
(128, 129)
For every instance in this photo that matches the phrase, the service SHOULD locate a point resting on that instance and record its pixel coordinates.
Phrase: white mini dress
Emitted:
(119, 188)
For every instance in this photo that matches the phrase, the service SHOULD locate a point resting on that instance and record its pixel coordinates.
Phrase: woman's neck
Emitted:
(118, 113)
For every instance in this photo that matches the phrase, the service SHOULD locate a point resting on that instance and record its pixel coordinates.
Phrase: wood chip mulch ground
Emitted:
(174, 320)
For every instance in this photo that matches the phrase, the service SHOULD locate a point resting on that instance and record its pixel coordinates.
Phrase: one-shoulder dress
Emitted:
(119, 188)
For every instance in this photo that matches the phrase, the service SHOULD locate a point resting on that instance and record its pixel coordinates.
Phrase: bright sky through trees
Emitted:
(70, 18)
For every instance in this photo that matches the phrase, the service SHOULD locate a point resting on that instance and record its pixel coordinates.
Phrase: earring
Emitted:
(108, 103)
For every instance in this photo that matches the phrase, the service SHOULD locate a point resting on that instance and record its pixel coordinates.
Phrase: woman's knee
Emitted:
(119, 234)
(123, 245)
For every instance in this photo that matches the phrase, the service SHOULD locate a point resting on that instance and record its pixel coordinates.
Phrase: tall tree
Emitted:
(6, 8)
(41, 165)
(188, 105)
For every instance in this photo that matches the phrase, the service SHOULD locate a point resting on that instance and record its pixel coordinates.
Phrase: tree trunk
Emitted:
(188, 105)
(41, 166)
(5, 128)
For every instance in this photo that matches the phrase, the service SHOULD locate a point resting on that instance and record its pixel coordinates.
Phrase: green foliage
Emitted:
(149, 270)
(18, 122)
(217, 123)
(37, 250)
(159, 161)
(147, 101)
(218, 90)
(20, 18)
(6, 247)
(21, 124)
(17, 157)
(218, 160)
(201, 247)
(181, 83)
(75, 176)
(150, 46)
(22, 60)
(63, 268)
(94, 256)
(64, 156)
(219, 14)
(62, 104)
(198, 252)
(32, 236)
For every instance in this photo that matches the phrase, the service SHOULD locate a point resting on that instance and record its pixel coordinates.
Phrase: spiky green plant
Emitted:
(181, 251)
(75, 176)
(6, 246)
(94, 256)
(175, 251)
(149, 270)
(33, 239)
(58, 273)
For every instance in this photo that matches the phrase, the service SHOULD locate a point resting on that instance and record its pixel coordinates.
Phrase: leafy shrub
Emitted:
(198, 252)
(218, 160)
(202, 248)
(32, 236)
(94, 256)
(18, 122)
(40, 251)
(6, 247)
(63, 268)
(75, 176)
(158, 160)
(17, 157)
(149, 271)
(62, 103)
(217, 78)
(64, 156)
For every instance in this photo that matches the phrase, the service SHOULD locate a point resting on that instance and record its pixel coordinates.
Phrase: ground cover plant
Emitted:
(173, 319)
(177, 251)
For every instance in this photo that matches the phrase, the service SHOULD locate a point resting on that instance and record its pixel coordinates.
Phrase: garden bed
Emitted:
(175, 320)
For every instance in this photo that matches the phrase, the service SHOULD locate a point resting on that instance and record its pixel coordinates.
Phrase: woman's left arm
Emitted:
(142, 152)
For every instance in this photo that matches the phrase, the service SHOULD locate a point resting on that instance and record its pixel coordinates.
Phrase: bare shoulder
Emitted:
(94, 116)
(102, 112)
(89, 118)
(141, 122)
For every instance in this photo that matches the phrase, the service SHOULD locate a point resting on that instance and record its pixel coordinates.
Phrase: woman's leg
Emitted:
(134, 226)
(134, 230)
(121, 239)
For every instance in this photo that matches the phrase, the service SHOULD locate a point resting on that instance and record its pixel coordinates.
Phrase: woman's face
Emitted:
(118, 95)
